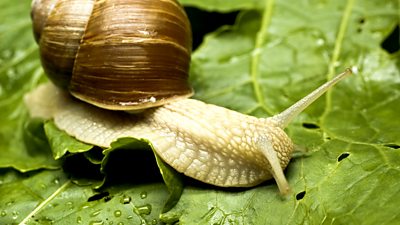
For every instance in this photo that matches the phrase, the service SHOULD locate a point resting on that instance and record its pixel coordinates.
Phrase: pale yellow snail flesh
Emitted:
(209, 143)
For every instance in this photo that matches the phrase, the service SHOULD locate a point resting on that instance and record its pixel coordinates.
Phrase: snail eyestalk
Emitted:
(264, 145)
(285, 117)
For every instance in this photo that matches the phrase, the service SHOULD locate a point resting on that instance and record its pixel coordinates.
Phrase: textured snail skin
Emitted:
(207, 142)
(223, 152)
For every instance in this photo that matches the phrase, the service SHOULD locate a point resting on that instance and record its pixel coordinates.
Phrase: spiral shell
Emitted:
(115, 54)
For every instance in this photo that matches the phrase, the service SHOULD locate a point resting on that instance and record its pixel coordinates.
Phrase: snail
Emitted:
(209, 143)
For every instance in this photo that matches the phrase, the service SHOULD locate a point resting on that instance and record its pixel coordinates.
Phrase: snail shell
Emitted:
(120, 54)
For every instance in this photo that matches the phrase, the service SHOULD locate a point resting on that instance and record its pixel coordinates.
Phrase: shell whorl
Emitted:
(120, 54)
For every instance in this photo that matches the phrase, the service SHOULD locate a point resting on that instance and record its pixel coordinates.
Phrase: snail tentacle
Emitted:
(284, 118)
(264, 145)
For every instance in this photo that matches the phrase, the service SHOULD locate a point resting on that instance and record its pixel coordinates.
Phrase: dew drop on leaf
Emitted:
(3, 213)
(95, 213)
(96, 222)
(120, 223)
(125, 199)
(9, 203)
(11, 73)
(117, 213)
(78, 219)
(145, 209)
(15, 215)
(154, 222)
(320, 42)
(143, 195)
(7, 54)
(70, 205)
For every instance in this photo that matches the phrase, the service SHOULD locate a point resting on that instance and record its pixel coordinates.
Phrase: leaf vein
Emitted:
(45, 202)
(261, 37)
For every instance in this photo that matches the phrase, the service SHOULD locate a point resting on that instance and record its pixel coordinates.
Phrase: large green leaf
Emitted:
(223, 6)
(49, 197)
(19, 72)
(349, 174)
(270, 58)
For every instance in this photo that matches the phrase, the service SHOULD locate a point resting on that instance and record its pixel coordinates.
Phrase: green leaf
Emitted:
(223, 6)
(349, 174)
(61, 142)
(48, 197)
(32, 151)
(266, 61)
(172, 179)
(19, 72)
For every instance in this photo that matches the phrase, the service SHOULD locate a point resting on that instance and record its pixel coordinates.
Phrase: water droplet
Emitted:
(11, 73)
(143, 195)
(43, 186)
(117, 213)
(96, 222)
(56, 181)
(154, 222)
(95, 213)
(47, 220)
(15, 215)
(125, 199)
(85, 206)
(9, 203)
(79, 219)
(320, 42)
(70, 205)
(145, 209)
(130, 217)
(120, 223)
(7, 54)
(3, 213)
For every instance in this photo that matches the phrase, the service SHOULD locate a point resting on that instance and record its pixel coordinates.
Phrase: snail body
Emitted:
(207, 142)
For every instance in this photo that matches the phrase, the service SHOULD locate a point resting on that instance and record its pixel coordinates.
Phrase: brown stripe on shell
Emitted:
(61, 36)
(133, 54)
(39, 13)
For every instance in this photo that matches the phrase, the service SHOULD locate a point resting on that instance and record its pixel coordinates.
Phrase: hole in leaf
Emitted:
(394, 146)
(204, 22)
(300, 195)
(310, 125)
(107, 198)
(391, 43)
(98, 196)
(343, 156)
